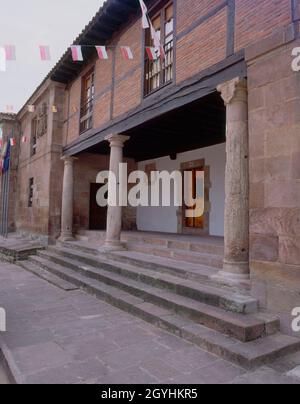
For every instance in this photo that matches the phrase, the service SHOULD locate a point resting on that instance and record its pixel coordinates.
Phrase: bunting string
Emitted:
(8, 52)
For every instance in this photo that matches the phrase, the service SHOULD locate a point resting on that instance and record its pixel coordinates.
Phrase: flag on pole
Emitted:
(45, 53)
(102, 52)
(2, 60)
(6, 157)
(145, 22)
(12, 141)
(10, 52)
(152, 53)
(77, 53)
(126, 52)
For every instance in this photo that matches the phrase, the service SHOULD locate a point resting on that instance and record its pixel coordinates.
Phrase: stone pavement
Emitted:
(62, 337)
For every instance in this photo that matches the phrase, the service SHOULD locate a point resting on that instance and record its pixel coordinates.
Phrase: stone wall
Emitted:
(274, 125)
(86, 168)
(42, 220)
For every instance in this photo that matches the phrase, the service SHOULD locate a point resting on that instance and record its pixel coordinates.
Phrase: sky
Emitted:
(28, 24)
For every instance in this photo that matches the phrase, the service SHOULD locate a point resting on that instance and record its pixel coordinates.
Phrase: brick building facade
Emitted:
(213, 42)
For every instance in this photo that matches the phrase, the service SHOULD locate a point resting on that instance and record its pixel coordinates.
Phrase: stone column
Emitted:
(67, 200)
(236, 232)
(114, 213)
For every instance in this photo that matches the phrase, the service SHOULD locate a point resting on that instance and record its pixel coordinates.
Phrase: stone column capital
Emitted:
(68, 159)
(116, 140)
(233, 90)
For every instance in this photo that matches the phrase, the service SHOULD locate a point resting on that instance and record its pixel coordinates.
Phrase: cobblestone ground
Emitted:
(71, 337)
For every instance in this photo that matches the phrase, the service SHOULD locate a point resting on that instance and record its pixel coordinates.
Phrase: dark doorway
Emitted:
(97, 213)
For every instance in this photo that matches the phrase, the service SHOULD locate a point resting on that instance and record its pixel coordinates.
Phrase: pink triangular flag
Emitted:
(77, 53)
(10, 52)
(45, 53)
(102, 52)
(126, 52)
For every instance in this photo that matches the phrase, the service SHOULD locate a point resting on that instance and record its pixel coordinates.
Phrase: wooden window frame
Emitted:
(87, 105)
(159, 10)
(33, 138)
(30, 192)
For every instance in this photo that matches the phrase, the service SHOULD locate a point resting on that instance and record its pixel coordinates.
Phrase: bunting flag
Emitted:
(77, 53)
(2, 60)
(126, 52)
(31, 108)
(12, 141)
(102, 52)
(152, 53)
(45, 53)
(10, 52)
(9, 108)
(145, 22)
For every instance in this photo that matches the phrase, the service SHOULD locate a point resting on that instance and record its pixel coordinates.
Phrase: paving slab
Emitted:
(57, 336)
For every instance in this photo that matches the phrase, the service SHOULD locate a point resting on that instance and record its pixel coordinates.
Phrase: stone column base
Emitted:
(234, 274)
(66, 237)
(111, 246)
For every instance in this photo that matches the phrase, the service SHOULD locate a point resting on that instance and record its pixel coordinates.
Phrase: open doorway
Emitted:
(98, 214)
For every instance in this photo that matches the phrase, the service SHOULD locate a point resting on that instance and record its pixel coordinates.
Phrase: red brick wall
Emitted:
(189, 10)
(256, 19)
(203, 47)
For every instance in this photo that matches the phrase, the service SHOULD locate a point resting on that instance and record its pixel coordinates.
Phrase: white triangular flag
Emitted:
(145, 22)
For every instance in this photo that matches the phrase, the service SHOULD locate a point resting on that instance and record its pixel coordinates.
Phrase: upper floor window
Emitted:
(34, 135)
(87, 100)
(30, 192)
(160, 72)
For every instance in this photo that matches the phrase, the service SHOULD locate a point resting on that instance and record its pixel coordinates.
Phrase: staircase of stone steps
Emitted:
(181, 300)
(206, 251)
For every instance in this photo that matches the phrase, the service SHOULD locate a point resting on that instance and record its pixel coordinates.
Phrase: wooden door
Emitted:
(199, 221)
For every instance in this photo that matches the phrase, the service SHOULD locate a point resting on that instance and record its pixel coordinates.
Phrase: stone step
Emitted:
(203, 292)
(241, 327)
(166, 265)
(209, 245)
(211, 260)
(178, 243)
(47, 276)
(248, 355)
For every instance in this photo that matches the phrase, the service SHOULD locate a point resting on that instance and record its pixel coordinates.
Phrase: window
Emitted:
(30, 193)
(87, 100)
(160, 72)
(34, 132)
